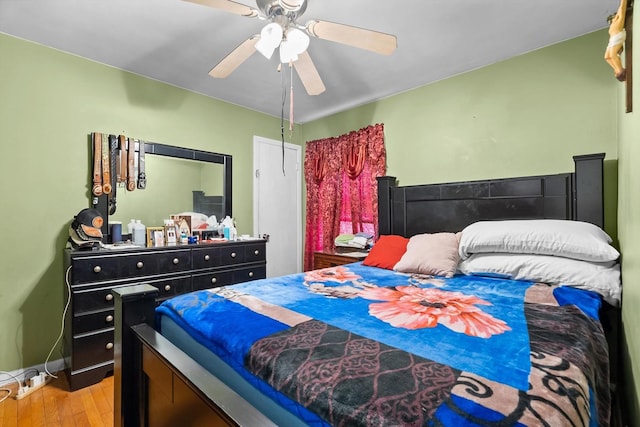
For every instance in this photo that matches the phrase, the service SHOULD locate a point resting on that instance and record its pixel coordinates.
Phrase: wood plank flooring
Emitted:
(55, 406)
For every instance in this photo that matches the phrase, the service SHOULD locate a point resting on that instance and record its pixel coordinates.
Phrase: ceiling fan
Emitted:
(292, 39)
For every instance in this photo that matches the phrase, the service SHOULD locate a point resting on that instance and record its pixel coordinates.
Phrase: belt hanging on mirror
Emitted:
(97, 159)
(142, 177)
(116, 150)
(106, 161)
(123, 159)
(131, 178)
(113, 147)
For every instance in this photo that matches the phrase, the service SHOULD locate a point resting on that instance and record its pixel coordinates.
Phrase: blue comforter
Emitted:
(357, 345)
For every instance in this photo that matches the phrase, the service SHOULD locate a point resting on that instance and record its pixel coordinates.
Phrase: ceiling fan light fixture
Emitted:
(288, 53)
(294, 43)
(270, 38)
(298, 39)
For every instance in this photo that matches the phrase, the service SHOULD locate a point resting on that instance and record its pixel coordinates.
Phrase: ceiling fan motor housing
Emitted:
(292, 5)
(292, 9)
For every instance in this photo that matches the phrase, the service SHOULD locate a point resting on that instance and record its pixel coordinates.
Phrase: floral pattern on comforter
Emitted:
(357, 345)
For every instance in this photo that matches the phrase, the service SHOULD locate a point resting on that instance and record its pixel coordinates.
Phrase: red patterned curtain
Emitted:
(342, 193)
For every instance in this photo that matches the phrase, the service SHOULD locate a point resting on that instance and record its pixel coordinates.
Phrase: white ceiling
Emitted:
(178, 42)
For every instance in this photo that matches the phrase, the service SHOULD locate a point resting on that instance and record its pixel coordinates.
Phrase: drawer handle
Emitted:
(257, 252)
(214, 280)
(251, 274)
(109, 346)
(108, 297)
(108, 319)
(176, 261)
(207, 257)
(97, 269)
(233, 254)
(167, 288)
(140, 264)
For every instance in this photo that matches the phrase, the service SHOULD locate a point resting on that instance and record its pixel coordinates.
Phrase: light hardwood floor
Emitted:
(54, 405)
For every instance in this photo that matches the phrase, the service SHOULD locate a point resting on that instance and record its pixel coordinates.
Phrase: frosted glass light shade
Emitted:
(270, 38)
(287, 52)
(294, 44)
(298, 40)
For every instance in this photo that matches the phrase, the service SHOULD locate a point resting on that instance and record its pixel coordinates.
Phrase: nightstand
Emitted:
(334, 258)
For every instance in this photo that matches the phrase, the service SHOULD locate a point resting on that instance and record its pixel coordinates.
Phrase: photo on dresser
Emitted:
(155, 237)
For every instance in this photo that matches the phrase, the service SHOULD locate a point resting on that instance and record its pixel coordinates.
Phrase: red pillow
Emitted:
(386, 252)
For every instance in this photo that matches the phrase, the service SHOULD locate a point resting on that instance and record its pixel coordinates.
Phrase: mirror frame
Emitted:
(101, 203)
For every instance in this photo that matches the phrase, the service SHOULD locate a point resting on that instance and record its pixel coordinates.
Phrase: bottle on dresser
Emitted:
(139, 233)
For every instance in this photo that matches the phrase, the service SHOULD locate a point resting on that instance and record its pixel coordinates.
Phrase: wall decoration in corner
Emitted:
(620, 39)
(617, 37)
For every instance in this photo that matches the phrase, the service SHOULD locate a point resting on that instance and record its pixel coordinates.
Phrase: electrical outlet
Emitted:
(38, 382)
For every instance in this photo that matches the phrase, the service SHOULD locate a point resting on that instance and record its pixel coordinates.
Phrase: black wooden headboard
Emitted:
(432, 208)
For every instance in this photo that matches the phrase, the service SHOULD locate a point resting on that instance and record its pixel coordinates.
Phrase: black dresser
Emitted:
(88, 343)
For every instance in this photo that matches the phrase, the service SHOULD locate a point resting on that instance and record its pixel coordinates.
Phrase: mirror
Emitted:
(178, 180)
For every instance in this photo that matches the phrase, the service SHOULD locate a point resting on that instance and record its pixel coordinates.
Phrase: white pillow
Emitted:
(571, 239)
(603, 278)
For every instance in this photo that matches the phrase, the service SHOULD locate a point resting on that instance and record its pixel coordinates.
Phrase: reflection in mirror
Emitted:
(177, 180)
(170, 185)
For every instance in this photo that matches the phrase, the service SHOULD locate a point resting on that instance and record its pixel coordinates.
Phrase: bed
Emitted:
(397, 340)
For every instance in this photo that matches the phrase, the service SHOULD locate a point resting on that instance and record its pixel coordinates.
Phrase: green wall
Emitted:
(629, 235)
(50, 103)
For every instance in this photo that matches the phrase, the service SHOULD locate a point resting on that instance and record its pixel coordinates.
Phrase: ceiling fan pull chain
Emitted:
(284, 98)
(291, 100)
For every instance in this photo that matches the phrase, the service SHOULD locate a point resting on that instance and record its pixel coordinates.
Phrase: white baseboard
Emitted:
(53, 367)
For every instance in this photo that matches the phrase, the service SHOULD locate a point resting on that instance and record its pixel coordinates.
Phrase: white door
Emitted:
(277, 203)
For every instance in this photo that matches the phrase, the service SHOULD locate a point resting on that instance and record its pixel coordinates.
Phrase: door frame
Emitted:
(298, 193)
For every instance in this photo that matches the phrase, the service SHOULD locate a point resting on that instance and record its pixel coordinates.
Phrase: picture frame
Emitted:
(183, 223)
(170, 236)
(155, 237)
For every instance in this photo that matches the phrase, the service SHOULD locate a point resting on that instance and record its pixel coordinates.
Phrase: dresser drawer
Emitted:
(92, 349)
(231, 255)
(127, 265)
(171, 287)
(250, 273)
(92, 300)
(95, 299)
(146, 264)
(94, 269)
(92, 322)
(255, 252)
(206, 257)
(212, 279)
(327, 260)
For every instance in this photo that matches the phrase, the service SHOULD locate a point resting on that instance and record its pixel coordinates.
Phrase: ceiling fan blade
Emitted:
(233, 60)
(309, 74)
(374, 41)
(228, 6)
